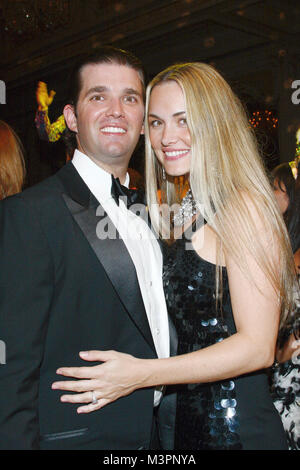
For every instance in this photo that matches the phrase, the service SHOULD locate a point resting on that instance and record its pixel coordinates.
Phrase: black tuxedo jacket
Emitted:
(62, 290)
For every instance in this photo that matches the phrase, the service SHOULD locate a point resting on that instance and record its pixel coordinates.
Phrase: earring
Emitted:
(164, 174)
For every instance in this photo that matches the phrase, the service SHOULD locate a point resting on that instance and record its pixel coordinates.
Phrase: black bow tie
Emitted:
(133, 196)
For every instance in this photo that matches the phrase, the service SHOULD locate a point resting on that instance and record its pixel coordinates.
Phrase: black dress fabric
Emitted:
(285, 378)
(234, 414)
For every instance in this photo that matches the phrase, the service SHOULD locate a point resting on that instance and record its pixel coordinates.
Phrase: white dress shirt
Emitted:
(141, 245)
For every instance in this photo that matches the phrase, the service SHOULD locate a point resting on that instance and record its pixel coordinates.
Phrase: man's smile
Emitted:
(112, 130)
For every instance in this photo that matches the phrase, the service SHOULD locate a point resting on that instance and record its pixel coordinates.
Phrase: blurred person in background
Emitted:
(285, 383)
(12, 165)
(283, 184)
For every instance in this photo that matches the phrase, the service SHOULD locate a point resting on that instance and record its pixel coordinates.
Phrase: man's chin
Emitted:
(112, 159)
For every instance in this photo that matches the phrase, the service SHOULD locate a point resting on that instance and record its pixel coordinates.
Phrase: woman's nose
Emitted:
(169, 136)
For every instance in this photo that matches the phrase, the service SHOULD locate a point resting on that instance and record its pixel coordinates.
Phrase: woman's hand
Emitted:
(118, 375)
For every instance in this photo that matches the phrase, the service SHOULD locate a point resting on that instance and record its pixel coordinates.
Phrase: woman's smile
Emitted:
(169, 133)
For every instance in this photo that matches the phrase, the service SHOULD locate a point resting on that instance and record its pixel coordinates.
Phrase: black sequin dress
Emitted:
(285, 380)
(232, 414)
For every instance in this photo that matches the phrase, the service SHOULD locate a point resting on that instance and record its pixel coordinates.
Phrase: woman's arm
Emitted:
(252, 347)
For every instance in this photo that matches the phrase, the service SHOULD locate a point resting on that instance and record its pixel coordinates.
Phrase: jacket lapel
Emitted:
(111, 253)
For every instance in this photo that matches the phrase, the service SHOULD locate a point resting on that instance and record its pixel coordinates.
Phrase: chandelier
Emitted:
(26, 19)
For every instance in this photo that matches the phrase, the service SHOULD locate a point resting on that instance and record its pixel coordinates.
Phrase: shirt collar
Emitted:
(97, 179)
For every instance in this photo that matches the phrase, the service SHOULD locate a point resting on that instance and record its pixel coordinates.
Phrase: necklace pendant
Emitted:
(186, 211)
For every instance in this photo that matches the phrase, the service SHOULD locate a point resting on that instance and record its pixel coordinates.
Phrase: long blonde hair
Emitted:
(12, 166)
(226, 170)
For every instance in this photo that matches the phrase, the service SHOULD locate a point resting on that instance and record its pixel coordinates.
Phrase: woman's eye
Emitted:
(155, 123)
(183, 121)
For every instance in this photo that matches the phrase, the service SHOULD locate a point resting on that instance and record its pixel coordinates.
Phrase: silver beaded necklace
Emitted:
(187, 209)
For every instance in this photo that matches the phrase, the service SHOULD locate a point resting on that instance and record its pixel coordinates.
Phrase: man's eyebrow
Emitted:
(96, 89)
(103, 89)
(132, 91)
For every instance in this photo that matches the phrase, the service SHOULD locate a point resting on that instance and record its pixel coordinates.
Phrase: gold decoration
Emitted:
(263, 118)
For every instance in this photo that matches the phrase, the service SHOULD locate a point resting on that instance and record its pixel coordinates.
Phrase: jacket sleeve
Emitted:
(26, 287)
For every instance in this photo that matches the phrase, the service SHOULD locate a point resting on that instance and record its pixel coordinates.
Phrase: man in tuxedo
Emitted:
(65, 287)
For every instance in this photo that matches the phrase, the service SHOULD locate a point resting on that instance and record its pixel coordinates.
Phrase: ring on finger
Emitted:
(94, 398)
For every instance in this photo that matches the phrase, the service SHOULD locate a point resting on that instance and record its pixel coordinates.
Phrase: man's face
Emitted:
(109, 113)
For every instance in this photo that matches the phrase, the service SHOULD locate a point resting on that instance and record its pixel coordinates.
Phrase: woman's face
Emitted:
(169, 135)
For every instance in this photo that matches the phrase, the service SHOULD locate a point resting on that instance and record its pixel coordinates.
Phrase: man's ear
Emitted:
(70, 117)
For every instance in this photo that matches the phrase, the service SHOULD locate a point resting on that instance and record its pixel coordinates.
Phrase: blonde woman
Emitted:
(12, 166)
(227, 281)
